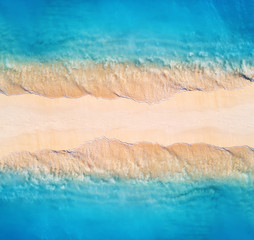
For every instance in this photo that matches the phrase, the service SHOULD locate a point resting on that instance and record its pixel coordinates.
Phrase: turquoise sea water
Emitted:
(209, 32)
(113, 209)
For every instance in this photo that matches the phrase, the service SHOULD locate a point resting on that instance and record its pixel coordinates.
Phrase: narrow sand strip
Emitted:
(222, 118)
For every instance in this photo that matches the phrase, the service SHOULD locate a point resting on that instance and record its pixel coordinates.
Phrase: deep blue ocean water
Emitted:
(210, 32)
(50, 208)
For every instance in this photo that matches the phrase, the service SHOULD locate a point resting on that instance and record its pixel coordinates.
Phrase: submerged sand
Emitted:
(112, 158)
(141, 83)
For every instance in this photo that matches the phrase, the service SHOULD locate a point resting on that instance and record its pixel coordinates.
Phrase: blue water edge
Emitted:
(211, 32)
(91, 208)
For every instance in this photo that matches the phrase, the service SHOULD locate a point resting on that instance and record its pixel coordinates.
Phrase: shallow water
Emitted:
(91, 208)
(214, 32)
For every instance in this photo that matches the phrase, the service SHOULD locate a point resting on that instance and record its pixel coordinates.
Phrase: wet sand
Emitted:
(112, 158)
(141, 83)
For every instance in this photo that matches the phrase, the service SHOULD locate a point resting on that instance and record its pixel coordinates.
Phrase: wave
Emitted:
(112, 158)
(141, 83)
(123, 209)
(215, 31)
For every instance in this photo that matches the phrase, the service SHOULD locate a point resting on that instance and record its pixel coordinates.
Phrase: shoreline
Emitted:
(150, 84)
(106, 158)
(221, 118)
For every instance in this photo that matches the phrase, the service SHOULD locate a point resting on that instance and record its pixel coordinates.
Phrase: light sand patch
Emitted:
(223, 118)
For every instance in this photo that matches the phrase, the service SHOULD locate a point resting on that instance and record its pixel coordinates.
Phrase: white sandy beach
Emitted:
(222, 118)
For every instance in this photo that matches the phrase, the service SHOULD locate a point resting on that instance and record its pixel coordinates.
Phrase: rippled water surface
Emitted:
(218, 32)
(115, 209)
